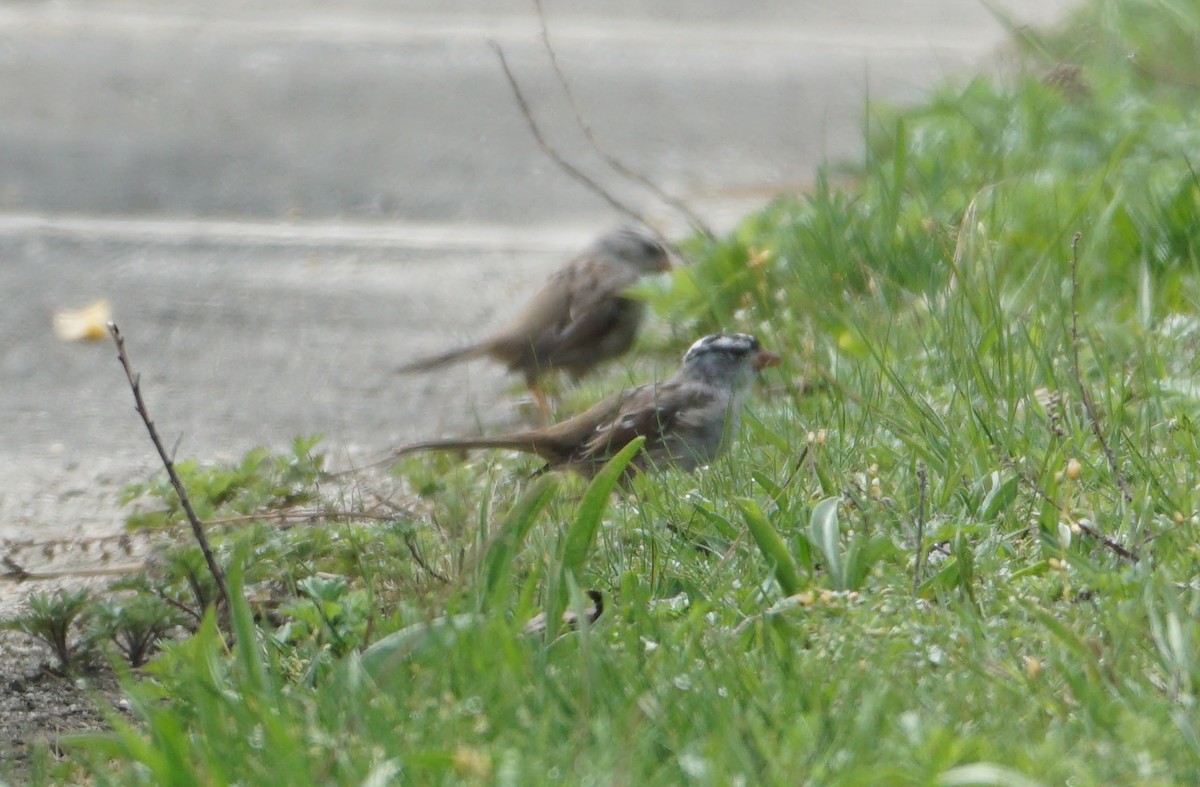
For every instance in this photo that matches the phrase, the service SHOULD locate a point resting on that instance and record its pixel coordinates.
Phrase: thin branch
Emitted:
(698, 224)
(410, 542)
(848, 492)
(923, 488)
(172, 602)
(1109, 543)
(791, 476)
(18, 573)
(197, 525)
(1086, 397)
(554, 155)
(286, 518)
(15, 571)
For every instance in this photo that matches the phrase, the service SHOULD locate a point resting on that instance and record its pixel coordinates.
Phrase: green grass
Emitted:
(917, 567)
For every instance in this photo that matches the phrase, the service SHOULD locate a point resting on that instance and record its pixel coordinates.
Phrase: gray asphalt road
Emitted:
(282, 202)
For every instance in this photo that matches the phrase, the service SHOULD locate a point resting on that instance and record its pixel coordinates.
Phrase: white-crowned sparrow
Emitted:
(578, 319)
(688, 420)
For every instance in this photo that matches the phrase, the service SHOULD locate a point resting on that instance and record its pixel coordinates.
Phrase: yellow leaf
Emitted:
(83, 325)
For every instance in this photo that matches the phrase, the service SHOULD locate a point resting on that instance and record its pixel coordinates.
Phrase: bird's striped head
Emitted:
(727, 355)
(639, 248)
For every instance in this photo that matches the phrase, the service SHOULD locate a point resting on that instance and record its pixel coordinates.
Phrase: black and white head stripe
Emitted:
(731, 344)
(631, 242)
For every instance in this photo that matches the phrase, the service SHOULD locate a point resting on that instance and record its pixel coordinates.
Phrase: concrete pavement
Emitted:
(284, 201)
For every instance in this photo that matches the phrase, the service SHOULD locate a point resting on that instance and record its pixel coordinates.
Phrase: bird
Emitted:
(688, 420)
(579, 318)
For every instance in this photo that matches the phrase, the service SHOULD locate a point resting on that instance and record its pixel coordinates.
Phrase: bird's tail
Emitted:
(529, 443)
(445, 359)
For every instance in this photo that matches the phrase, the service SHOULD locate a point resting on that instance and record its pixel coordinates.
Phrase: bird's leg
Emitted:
(543, 405)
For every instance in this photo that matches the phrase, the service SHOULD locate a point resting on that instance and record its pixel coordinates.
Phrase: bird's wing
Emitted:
(546, 310)
(654, 411)
(593, 307)
(575, 432)
(595, 281)
(557, 444)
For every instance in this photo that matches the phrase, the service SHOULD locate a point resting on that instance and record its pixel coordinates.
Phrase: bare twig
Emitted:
(286, 518)
(19, 573)
(791, 476)
(553, 153)
(849, 492)
(1114, 546)
(410, 542)
(1085, 396)
(15, 570)
(197, 615)
(698, 224)
(1109, 543)
(923, 488)
(197, 525)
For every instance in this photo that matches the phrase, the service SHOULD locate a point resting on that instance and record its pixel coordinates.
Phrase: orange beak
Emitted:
(765, 358)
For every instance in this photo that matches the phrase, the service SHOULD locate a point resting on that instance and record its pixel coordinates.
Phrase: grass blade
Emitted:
(245, 633)
(582, 533)
(497, 562)
(771, 546)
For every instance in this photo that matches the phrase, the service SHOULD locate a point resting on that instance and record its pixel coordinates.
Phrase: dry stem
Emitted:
(1109, 543)
(197, 525)
(923, 488)
(16, 572)
(1085, 396)
(698, 224)
(553, 153)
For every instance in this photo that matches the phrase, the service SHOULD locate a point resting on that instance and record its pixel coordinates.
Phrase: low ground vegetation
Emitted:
(955, 542)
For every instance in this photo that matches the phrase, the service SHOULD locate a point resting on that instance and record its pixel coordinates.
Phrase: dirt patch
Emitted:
(86, 547)
(83, 545)
(37, 705)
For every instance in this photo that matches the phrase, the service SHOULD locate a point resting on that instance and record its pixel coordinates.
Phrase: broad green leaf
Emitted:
(986, 774)
(861, 556)
(723, 525)
(771, 546)
(1000, 495)
(823, 529)
(773, 490)
(582, 532)
(245, 633)
(389, 652)
(497, 562)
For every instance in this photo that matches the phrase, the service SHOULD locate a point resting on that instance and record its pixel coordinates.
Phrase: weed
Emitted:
(135, 624)
(51, 619)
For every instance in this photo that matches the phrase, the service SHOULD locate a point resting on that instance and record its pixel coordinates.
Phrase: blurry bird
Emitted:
(688, 420)
(578, 319)
(591, 613)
